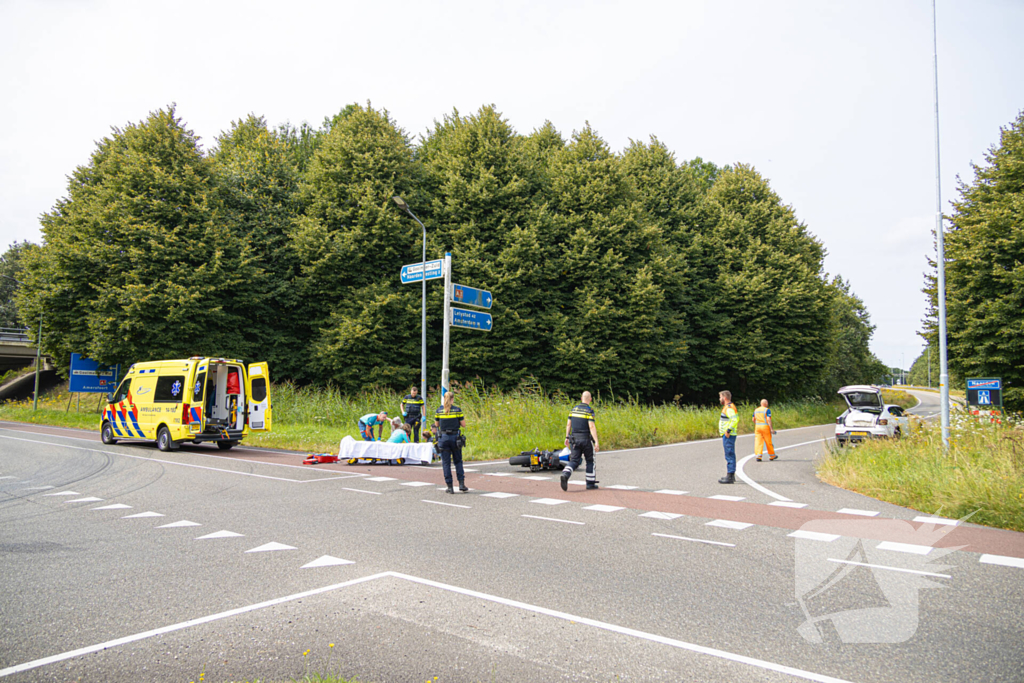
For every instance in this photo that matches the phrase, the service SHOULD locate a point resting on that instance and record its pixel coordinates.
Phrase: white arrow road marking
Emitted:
(326, 561)
(893, 569)
(269, 547)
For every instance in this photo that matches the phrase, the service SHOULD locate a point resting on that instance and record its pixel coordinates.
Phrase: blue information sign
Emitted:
(990, 383)
(89, 377)
(471, 296)
(413, 272)
(473, 320)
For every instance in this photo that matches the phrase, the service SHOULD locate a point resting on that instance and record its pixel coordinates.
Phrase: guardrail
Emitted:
(14, 334)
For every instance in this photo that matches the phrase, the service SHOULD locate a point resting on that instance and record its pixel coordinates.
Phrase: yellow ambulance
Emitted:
(197, 400)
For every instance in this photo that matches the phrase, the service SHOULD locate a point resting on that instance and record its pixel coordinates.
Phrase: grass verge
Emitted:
(499, 423)
(983, 473)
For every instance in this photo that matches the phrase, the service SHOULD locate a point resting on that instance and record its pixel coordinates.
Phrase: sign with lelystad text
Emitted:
(473, 320)
(413, 272)
(471, 296)
(89, 377)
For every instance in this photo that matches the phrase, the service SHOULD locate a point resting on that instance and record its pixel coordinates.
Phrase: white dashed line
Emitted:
(937, 520)
(661, 515)
(696, 540)
(893, 569)
(89, 499)
(904, 547)
(326, 561)
(729, 524)
(788, 504)
(270, 547)
(603, 508)
(813, 536)
(499, 494)
(722, 497)
(220, 534)
(115, 506)
(376, 493)
(1003, 560)
(174, 525)
(499, 474)
(551, 519)
(672, 492)
(539, 478)
(854, 511)
(548, 501)
(380, 479)
(415, 483)
(451, 505)
(143, 514)
(622, 487)
(38, 488)
(63, 493)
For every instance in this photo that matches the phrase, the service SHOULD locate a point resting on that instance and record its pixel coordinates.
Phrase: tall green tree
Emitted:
(985, 269)
(137, 263)
(351, 243)
(11, 271)
(847, 354)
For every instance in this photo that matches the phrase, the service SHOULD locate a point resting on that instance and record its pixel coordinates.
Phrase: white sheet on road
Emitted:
(382, 450)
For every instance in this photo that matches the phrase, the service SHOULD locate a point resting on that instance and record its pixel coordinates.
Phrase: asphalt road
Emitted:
(125, 563)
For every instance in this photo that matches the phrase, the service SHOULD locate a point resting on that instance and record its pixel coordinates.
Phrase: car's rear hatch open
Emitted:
(865, 404)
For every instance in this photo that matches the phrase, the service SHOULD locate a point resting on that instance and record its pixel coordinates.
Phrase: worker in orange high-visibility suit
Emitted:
(763, 431)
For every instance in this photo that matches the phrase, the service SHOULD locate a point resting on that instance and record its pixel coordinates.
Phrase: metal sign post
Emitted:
(985, 395)
(461, 317)
(445, 388)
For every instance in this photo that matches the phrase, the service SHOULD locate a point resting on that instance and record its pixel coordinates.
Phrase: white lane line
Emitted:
(715, 440)
(451, 505)
(729, 524)
(415, 483)
(271, 547)
(603, 508)
(855, 511)
(8, 477)
(936, 520)
(88, 499)
(661, 515)
(326, 561)
(380, 479)
(38, 488)
(696, 540)
(539, 478)
(115, 506)
(63, 493)
(672, 492)
(578, 483)
(813, 535)
(893, 569)
(904, 547)
(622, 487)
(34, 664)
(548, 501)
(747, 480)
(185, 464)
(143, 514)
(552, 519)
(724, 497)
(499, 494)
(1003, 560)
(174, 525)
(223, 533)
(499, 474)
(375, 493)
(788, 504)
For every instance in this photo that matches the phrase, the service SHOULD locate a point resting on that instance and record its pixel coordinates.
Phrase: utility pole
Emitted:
(940, 290)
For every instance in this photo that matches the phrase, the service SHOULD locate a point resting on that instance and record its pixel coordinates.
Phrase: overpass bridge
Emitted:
(17, 351)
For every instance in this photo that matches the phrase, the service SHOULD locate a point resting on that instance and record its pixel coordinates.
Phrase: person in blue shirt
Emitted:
(369, 421)
(400, 434)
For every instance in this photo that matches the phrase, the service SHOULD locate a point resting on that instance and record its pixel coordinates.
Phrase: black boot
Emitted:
(729, 478)
(564, 479)
(450, 489)
(591, 485)
(462, 485)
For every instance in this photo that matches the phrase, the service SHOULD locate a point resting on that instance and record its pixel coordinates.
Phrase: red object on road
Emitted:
(319, 459)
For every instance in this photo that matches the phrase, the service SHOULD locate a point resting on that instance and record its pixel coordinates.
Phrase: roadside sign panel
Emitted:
(473, 320)
(471, 296)
(413, 272)
(89, 377)
(984, 395)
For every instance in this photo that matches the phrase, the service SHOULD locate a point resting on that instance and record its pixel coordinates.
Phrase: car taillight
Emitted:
(186, 414)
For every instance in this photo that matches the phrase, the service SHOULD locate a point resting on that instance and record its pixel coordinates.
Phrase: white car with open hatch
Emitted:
(868, 416)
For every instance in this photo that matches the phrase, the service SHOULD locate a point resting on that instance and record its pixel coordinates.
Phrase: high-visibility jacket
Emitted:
(761, 415)
(729, 421)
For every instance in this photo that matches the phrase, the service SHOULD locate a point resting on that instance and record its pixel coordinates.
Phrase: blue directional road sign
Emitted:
(413, 272)
(471, 296)
(89, 377)
(473, 320)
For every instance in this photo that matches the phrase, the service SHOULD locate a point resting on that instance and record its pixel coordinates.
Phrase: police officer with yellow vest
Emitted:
(412, 411)
(728, 426)
(448, 419)
(581, 438)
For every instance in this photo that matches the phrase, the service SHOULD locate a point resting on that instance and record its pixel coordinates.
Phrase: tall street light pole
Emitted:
(423, 323)
(940, 290)
(39, 347)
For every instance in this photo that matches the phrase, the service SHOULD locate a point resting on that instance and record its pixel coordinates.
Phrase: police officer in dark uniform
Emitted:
(448, 419)
(581, 437)
(412, 409)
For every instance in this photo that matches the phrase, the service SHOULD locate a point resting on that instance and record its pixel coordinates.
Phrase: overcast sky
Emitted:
(831, 101)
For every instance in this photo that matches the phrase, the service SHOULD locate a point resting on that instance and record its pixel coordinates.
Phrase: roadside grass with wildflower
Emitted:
(499, 423)
(982, 474)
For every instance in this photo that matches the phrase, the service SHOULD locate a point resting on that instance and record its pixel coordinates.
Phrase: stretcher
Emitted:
(381, 452)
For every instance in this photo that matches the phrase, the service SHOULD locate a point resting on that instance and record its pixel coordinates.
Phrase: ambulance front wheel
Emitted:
(164, 441)
(226, 445)
(107, 434)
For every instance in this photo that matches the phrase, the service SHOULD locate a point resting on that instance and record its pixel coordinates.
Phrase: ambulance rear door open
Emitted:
(257, 386)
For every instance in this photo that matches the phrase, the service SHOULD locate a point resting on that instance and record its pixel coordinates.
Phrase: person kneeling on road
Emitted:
(400, 434)
(448, 419)
(369, 421)
(581, 438)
